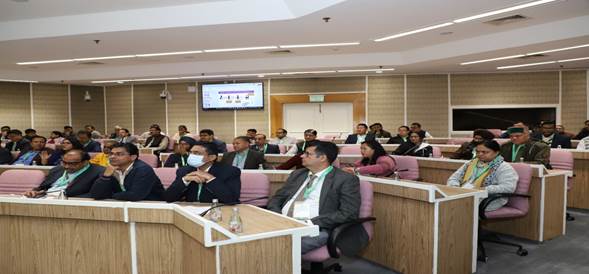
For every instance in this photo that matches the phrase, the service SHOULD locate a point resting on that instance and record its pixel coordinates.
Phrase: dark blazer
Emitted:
(21, 145)
(339, 200)
(383, 134)
(93, 146)
(533, 152)
(226, 186)
(5, 156)
(353, 138)
(174, 159)
(253, 160)
(397, 140)
(582, 134)
(563, 141)
(270, 149)
(140, 184)
(221, 146)
(79, 187)
(464, 152)
(409, 149)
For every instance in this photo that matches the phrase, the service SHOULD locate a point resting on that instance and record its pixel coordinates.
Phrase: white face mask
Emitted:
(195, 160)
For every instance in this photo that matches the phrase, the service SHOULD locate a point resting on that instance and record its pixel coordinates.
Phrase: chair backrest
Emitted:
(502, 141)
(254, 185)
(562, 159)
(230, 148)
(149, 159)
(367, 196)
(497, 132)
(437, 152)
(524, 171)
(350, 150)
(166, 174)
(408, 165)
(458, 141)
(171, 144)
(17, 181)
(282, 148)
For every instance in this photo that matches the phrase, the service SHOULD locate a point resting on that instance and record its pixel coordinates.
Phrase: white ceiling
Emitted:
(149, 26)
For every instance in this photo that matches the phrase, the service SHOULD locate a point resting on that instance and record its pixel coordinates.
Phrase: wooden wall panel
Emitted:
(182, 108)
(118, 107)
(16, 106)
(148, 107)
(319, 85)
(254, 118)
(84, 113)
(574, 100)
(505, 88)
(427, 103)
(386, 101)
(50, 104)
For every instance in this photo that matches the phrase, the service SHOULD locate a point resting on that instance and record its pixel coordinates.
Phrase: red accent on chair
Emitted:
(166, 174)
(171, 144)
(17, 181)
(497, 132)
(149, 159)
(255, 185)
(230, 148)
(407, 166)
(350, 150)
(282, 148)
(436, 152)
(458, 141)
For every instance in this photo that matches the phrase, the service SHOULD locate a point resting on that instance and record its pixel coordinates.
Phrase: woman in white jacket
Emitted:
(487, 171)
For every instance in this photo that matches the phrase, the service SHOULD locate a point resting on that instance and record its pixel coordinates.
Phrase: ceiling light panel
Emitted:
(495, 12)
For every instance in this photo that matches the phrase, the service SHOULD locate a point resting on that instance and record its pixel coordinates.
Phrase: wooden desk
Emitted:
(45, 169)
(578, 196)
(424, 228)
(545, 219)
(81, 236)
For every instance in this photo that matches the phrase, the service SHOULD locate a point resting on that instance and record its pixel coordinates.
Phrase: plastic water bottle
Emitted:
(396, 176)
(235, 224)
(559, 146)
(62, 195)
(261, 167)
(216, 215)
(521, 159)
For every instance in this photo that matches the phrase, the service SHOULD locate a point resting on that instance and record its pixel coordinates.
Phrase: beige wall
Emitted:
(51, 109)
(148, 107)
(386, 101)
(574, 100)
(118, 107)
(87, 113)
(15, 110)
(254, 118)
(427, 103)
(318, 85)
(182, 108)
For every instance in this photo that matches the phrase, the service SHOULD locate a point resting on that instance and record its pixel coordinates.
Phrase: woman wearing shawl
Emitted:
(487, 171)
(180, 156)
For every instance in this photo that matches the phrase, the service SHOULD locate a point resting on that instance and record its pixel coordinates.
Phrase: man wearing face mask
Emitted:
(205, 179)
(467, 150)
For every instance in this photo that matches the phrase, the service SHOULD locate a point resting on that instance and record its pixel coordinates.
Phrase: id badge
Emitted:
(302, 211)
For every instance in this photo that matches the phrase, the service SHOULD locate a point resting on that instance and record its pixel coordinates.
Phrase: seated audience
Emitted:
(208, 136)
(415, 146)
(338, 191)
(402, 136)
(584, 132)
(115, 132)
(36, 155)
(5, 156)
(101, 158)
(182, 131)
(282, 139)
(548, 136)
(4, 134)
(156, 140)
(583, 144)
(55, 138)
(262, 146)
(127, 178)
(298, 149)
(360, 136)
(67, 144)
(146, 134)
(375, 161)
(487, 171)
(521, 147)
(251, 134)
(378, 132)
(30, 133)
(505, 134)
(17, 142)
(75, 176)
(416, 127)
(125, 137)
(68, 131)
(243, 157)
(89, 145)
(205, 179)
(93, 132)
(467, 149)
(561, 130)
(180, 156)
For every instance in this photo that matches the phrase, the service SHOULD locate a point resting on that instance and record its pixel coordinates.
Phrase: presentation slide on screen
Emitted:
(232, 96)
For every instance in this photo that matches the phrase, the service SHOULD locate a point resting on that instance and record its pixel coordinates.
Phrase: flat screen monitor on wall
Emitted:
(467, 119)
(233, 96)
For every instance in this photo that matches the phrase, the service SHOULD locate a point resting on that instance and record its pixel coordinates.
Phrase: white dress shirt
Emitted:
(313, 199)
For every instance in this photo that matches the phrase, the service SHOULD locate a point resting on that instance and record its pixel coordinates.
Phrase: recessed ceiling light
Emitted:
(560, 49)
(573, 60)
(240, 49)
(18, 81)
(169, 53)
(527, 65)
(103, 58)
(491, 13)
(319, 45)
(204, 76)
(110, 81)
(492, 59)
(365, 70)
(46, 62)
(413, 32)
(308, 72)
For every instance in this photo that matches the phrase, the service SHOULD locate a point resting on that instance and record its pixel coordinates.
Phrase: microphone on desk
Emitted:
(204, 213)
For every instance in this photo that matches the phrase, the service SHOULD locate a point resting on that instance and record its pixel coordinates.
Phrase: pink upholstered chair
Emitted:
(282, 148)
(255, 185)
(331, 250)
(407, 167)
(516, 207)
(149, 159)
(350, 150)
(328, 138)
(502, 141)
(171, 144)
(458, 141)
(497, 132)
(17, 181)
(230, 148)
(563, 159)
(437, 152)
(166, 174)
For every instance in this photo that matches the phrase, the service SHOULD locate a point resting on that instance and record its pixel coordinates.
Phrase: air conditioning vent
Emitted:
(507, 20)
(532, 56)
(280, 52)
(91, 63)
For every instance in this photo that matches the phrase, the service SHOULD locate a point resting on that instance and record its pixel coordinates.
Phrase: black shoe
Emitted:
(570, 217)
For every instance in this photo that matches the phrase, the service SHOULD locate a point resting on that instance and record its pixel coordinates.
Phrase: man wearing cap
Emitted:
(521, 148)
(549, 136)
(467, 150)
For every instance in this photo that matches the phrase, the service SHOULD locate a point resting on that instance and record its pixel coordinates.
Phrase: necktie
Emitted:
(301, 196)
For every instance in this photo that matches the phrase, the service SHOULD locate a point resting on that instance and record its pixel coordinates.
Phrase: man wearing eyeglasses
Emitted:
(75, 176)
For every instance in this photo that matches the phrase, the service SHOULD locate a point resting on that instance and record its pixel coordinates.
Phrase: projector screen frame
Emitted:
(201, 99)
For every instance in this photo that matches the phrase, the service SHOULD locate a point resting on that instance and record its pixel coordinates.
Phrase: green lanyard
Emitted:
(183, 160)
(265, 147)
(198, 193)
(514, 151)
(479, 172)
(64, 179)
(309, 190)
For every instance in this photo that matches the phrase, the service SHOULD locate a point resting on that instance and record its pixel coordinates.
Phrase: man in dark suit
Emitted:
(17, 142)
(521, 147)
(550, 137)
(5, 156)
(361, 135)
(262, 145)
(320, 194)
(208, 136)
(243, 157)
(75, 176)
(402, 136)
(90, 145)
(127, 178)
(205, 179)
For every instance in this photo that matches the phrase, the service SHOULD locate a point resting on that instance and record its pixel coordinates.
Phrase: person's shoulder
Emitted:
(539, 144)
(342, 175)
(58, 169)
(139, 164)
(225, 168)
